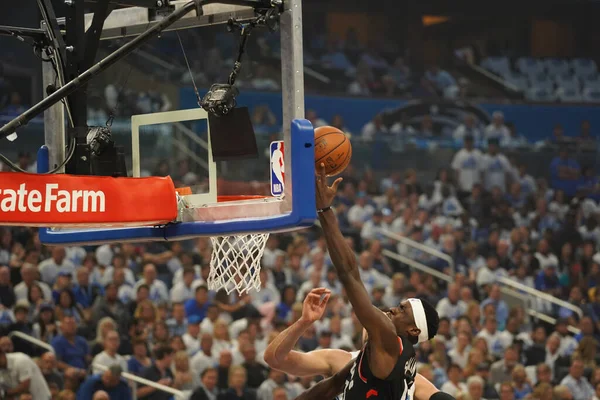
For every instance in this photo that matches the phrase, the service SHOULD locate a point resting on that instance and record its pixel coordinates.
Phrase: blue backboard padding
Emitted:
(303, 212)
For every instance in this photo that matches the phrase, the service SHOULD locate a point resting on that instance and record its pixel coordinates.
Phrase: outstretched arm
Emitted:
(281, 356)
(423, 388)
(383, 341)
(328, 388)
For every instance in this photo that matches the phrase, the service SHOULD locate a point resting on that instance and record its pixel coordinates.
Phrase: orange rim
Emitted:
(224, 199)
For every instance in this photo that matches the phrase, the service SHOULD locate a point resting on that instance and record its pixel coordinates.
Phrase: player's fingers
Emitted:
(336, 184)
(326, 298)
(319, 290)
(323, 174)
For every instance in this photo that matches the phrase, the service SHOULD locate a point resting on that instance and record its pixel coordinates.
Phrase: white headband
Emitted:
(420, 319)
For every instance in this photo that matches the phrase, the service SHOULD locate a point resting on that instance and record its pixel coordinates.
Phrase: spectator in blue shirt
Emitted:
(199, 304)
(72, 351)
(110, 381)
(85, 292)
(547, 279)
(440, 78)
(564, 172)
(139, 360)
(500, 305)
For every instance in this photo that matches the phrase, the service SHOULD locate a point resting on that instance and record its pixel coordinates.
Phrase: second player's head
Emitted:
(415, 319)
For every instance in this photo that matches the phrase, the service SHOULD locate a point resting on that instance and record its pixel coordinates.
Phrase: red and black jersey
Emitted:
(361, 384)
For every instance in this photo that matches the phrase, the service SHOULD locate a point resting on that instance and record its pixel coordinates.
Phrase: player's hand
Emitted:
(325, 193)
(315, 304)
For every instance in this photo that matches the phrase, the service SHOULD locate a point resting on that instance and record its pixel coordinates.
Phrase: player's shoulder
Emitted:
(354, 354)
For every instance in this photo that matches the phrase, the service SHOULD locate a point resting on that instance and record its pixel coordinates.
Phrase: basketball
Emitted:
(332, 148)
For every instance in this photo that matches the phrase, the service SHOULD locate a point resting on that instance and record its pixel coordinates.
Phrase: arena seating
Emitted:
(547, 80)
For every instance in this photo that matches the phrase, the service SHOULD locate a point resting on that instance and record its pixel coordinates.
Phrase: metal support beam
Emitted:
(292, 75)
(54, 121)
(92, 35)
(133, 21)
(101, 66)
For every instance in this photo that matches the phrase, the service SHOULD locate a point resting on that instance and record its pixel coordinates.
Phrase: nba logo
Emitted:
(277, 169)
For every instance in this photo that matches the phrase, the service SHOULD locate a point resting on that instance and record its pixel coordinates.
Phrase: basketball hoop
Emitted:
(235, 262)
(235, 259)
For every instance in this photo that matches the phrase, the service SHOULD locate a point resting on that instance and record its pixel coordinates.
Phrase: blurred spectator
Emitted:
(72, 351)
(208, 386)
(496, 167)
(467, 164)
(160, 372)
(585, 134)
(451, 306)
(375, 129)
(514, 140)
(28, 275)
(497, 129)
(335, 58)
(19, 374)
(564, 172)
(440, 78)
(237, 386)
(109, 356)
(263, 79)
(185, 378)
(454, 384)
(48, 366)
(501, 371)
(578, 384)
(468, 128)
(139, 360)
(109, 381)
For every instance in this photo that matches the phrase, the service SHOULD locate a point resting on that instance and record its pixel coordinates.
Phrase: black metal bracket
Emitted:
(54, 33)
(36, 34)
(92, 36)
(81, 79)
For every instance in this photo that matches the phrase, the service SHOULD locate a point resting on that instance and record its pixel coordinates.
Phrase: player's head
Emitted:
(415, 319)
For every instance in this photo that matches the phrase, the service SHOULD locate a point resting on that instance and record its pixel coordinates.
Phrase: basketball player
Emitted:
(325, 362)
(385, 368)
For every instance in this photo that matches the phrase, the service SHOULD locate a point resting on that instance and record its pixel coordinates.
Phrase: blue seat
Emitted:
(568, 95)
(540, 94)
(584, 67)
(498, 65)
(567, 80)
(541, 80)
(519, 81)
(591, 95)
(556, 66)
(530, 66)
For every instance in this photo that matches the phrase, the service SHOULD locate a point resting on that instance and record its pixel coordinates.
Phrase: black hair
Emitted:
(206, 371)
(433, 319)
(453, 366)
(162, 351)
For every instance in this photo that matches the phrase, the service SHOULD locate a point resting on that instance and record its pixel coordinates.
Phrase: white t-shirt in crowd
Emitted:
(446, 309)
(49, 269)
(497, 132)
(21, 291)
(468, 164)
(103, 358)
(495, 170)
(360, 214)
(158, 290)
(493, 340)
(20, 367)
(452, 389)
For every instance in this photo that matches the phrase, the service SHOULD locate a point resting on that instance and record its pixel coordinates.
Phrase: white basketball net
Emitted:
(235, 262)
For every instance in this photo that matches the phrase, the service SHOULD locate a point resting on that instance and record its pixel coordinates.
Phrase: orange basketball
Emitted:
(332, 148)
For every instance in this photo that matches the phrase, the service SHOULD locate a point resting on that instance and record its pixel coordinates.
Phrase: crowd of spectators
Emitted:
(145, 307)
(11, 95)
